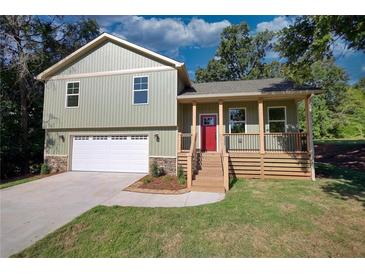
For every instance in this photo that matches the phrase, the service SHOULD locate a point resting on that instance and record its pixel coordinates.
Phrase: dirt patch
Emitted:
(72, 234)
(287, 208)
(341, 155)
(162, 185)
(172, 245)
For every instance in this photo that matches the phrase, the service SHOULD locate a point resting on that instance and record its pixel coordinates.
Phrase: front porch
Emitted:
(255, 145)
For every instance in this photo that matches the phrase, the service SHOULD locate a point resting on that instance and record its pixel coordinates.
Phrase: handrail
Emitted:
(190, 158)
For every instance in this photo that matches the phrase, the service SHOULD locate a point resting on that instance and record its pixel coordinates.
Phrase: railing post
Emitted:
(178, 142)
(225, 171)
(189, 174)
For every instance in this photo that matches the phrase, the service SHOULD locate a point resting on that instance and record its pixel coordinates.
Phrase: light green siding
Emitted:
(109, 57)
(107, 101)
(164, 146)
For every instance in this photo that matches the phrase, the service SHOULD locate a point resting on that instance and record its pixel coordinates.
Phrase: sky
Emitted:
(194, 39)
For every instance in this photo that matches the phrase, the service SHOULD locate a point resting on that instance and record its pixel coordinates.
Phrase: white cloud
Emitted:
(164, 34)
(340, 48)
(278, 23)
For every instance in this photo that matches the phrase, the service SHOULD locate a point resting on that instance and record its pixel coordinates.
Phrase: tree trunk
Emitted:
(24, 126)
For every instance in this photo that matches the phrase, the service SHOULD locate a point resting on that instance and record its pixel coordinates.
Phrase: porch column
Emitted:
(310, 147)
(193, 129)
(221, 129)
(261, 126)
(262, 136)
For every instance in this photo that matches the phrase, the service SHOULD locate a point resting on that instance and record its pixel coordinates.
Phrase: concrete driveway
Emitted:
(32, 210)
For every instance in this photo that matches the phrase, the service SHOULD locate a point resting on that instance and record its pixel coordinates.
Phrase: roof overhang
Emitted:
(108, 37)
(247, 96)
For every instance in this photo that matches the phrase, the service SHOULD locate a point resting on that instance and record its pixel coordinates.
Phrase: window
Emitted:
(209, 121)
(72, 96)
(237, 120)
(140, 90)
(277, 119)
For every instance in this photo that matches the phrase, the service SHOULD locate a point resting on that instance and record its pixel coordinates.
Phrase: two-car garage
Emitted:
(110, 153)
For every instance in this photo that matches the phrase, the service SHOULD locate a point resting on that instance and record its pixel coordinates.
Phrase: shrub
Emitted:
(45, 169)
(35, 168)
(147, 179)
(156, 171)
(181, 175)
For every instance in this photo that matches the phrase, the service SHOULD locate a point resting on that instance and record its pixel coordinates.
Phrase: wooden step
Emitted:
(207, 180)
(213, 165)
(212, 171)
(219, 189)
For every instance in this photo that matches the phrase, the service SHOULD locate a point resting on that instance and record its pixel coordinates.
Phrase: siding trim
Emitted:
(112, 72)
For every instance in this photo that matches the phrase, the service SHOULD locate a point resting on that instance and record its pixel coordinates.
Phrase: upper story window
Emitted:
(72, 94)
(140, 90)
(277, 119)
(237, 120)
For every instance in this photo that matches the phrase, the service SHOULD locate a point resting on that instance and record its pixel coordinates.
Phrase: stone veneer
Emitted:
(168, 164)
(56, 163)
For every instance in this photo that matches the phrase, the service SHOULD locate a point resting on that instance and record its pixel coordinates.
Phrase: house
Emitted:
(115, 106)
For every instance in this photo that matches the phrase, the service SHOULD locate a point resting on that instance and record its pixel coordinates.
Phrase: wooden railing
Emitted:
(274, 142)
(225, 165)
(286, 142)
(246, 142)
(183, 142)
(191, 161)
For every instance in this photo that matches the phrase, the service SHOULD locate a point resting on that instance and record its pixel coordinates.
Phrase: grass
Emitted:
(349, 142)
(258, 218)
(20, 181)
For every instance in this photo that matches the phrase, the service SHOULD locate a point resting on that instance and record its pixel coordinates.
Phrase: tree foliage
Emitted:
(30, 44)
(312, 38)
(239, 56)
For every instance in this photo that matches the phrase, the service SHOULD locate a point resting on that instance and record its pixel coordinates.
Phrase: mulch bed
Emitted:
(352, 157)
(160, 185)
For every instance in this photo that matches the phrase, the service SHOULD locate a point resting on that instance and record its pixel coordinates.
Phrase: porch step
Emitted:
(219, 189)
(211, 171)
(208, 180)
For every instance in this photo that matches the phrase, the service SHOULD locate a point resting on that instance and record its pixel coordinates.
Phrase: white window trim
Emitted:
(229, 118)
(268, 117)
(78, 101)
(148, 90)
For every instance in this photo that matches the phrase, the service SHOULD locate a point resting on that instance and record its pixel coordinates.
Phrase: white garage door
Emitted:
(110, 153)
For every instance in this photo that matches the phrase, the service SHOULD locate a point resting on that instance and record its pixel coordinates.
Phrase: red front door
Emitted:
(208, 130)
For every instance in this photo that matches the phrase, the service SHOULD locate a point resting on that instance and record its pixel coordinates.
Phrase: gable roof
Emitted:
(244, 87)
(108, 37)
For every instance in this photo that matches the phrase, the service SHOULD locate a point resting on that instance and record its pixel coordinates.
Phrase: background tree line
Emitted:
(30, 44)
(306, 51)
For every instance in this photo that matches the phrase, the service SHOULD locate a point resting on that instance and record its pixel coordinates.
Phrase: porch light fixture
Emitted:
(62, 137)
(157, 137)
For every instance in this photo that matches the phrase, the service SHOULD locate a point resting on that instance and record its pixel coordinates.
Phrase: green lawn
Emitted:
(20, 181)
(258, 218)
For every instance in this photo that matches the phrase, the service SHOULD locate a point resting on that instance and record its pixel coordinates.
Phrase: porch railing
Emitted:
(274, 142)
(246, 142)
(184, 141)
(286, 142)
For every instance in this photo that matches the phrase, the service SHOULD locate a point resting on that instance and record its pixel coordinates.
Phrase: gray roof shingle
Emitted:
(243, 86)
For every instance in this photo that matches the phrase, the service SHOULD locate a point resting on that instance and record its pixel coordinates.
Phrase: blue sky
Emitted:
(194, 39)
